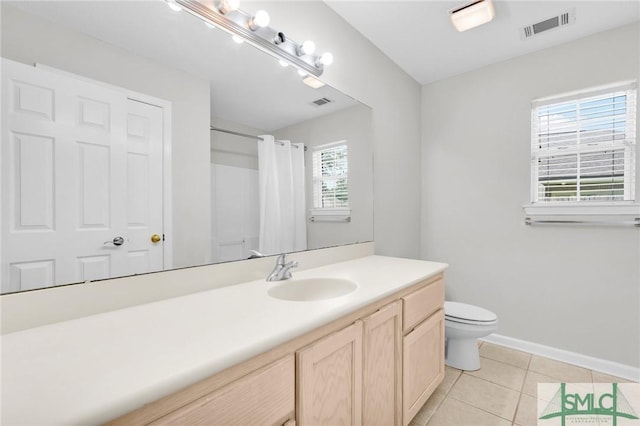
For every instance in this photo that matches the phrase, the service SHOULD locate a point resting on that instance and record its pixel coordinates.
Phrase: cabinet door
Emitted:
(423, 358)
(382, 377)
(329, 380)
(264, 397)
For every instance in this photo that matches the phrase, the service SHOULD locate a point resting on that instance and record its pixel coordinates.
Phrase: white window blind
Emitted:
(331, 176)
(583, 146)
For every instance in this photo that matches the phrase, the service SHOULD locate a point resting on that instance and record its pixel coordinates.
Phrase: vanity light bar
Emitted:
(267, 39)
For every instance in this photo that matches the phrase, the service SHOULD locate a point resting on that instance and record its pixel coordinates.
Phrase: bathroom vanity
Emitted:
(237, 355)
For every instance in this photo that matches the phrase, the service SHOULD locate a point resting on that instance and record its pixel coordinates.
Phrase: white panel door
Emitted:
(65, 161)
(144, 187)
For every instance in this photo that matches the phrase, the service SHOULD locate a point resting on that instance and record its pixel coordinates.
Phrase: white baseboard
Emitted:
(608, 367)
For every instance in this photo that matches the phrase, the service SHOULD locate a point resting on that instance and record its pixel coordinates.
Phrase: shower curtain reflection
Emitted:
(282, 197)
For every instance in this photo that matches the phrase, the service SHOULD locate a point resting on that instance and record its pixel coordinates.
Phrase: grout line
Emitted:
(446, 394)
(481, 409)
(521, 392)
(495, 384)
(526, 373)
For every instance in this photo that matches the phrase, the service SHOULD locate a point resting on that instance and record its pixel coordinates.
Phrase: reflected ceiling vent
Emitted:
(561, 20)
(322, 101)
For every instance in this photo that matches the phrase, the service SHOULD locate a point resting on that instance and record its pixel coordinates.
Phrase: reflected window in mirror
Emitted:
(331, 179)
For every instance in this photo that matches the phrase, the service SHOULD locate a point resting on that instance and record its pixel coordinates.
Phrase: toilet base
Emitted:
(462, 354)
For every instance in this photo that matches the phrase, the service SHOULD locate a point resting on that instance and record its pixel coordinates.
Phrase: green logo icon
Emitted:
(565, 404)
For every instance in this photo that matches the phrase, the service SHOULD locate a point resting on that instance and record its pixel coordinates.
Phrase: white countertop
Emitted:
(93, 369)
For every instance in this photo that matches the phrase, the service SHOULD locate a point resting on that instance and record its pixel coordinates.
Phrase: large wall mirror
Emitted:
(129, 146)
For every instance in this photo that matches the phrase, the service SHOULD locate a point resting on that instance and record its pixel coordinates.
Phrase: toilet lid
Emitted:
(465, 312)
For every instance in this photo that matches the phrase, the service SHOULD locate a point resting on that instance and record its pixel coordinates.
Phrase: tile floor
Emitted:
(502, 392)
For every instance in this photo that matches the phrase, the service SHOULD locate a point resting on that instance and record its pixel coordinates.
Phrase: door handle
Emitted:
(155, 238)
(117, 241)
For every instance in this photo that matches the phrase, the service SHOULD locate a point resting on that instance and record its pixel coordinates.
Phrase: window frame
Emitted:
(328, 213)
(580, 206)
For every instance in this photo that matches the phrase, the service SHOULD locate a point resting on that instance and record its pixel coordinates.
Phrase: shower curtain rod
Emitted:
(245, 135)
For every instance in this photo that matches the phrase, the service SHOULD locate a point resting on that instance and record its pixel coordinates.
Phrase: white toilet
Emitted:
(463, 325)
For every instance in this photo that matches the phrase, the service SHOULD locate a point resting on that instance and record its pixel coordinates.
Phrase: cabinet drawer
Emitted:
(264, 397)
(422, 303)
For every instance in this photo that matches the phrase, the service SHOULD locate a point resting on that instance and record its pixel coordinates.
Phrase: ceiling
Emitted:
(256, 91)
(418, 36)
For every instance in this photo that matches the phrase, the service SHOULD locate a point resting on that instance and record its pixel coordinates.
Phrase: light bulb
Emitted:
(302, 73)
(227, 6)
(173, 6)
(325, 59)
(261, 19)
(209, 25)
(237, 39)
(306, 48)
(283, 63)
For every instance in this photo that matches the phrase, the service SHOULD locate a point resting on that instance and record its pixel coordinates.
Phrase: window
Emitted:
(583, 147)
(331, 179)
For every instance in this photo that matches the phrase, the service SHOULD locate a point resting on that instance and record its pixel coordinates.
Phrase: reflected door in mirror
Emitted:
(81, 180)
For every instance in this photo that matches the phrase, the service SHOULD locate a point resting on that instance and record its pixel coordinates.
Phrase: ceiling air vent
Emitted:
(322, 101)
(548, 24)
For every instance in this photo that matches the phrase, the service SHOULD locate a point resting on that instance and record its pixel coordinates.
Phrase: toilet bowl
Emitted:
(463, 325)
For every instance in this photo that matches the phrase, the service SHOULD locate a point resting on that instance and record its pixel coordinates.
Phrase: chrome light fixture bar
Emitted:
(239, 23)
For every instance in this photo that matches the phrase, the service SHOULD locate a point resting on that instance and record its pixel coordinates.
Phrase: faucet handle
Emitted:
(287, 269)
(282, 259)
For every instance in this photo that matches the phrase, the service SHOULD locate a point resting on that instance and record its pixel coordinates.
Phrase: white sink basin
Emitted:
(310, 289)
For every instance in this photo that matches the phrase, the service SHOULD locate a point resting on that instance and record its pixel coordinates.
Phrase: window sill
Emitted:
(581, 209)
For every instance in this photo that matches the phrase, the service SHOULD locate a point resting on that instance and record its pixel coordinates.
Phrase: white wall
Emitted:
(235, 198)
(574, 288)
(353, 125)
(232, 150)
(29, 39)
(235, 212)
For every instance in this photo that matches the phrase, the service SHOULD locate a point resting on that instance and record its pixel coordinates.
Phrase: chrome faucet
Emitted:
(282, 271)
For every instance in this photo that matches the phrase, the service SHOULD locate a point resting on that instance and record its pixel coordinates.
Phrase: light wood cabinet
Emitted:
(382, 361)
(329, 379)
(264, 397)
(423, 363)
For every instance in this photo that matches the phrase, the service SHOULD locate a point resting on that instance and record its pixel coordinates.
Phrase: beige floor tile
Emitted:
(559, 370)
(500, 373)
(506, 355)
(527, 412)
(504, 390)
(456, 413)
(429, 408)
(486, 396)
(599, 377)
(450, 377)
(531, 382)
